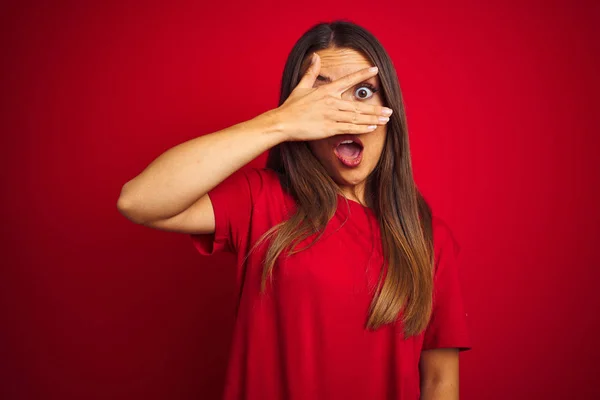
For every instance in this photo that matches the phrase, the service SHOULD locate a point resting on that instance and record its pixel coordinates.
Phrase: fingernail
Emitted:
(383, 119)
(372, 127)
(373, 69)
(314, 58)
(387, 111)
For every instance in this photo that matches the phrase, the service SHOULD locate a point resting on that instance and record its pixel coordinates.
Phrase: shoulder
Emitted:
(445, 243)
(252, 179)
(263, 183)
(261, 178)
(265, 189)
(442, 232)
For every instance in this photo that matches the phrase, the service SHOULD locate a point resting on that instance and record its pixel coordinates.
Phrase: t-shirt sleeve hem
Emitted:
(212, 243)
(449, 345)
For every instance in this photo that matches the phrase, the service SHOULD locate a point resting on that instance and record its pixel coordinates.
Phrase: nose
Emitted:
(349, 95)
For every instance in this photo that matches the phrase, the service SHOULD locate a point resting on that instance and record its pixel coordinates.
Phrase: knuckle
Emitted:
(359, 108)
(329, 100)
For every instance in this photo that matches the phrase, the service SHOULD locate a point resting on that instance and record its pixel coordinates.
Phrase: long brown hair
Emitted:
(405, 286)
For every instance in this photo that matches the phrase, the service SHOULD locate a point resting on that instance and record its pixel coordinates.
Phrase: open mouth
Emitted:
(349, 150)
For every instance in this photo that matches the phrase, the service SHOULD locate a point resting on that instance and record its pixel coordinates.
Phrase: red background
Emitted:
(501, 102)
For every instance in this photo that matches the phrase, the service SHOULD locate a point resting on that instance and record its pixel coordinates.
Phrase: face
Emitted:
(337, 63)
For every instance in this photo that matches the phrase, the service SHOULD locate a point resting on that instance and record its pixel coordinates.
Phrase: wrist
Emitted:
(273, 124)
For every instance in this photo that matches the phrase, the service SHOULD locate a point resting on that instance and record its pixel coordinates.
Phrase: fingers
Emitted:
(310, 76)
(346, 82)
(343, 127)
(362, 108)
(355, 117)
(359, 119)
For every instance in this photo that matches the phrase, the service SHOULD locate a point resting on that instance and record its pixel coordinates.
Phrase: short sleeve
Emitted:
(232, 201)
(448, 324)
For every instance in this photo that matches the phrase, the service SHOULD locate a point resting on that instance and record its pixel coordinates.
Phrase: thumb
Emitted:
(310, 76)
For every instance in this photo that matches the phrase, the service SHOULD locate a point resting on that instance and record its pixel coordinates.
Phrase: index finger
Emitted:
(346, 82)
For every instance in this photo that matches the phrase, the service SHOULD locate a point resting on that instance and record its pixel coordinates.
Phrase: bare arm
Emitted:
(185, 173)
(171, 193)
(439, 374)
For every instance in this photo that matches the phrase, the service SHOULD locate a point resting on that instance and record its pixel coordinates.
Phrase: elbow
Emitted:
(126, 206)
(439, 389)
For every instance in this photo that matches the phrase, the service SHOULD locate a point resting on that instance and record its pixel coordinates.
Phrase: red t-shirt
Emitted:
(305, 338)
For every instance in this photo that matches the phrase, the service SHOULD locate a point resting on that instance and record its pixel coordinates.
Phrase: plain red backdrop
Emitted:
(501, 102)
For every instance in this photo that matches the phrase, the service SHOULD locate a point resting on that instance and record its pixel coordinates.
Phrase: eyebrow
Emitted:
(326, 79)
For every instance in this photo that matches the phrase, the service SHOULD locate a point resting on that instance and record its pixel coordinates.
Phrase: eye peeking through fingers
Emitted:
(365, 91)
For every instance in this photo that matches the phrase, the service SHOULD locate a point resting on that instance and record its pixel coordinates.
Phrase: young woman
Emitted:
(348, 286)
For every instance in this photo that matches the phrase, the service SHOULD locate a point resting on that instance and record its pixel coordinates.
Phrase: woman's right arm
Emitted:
(171, 193)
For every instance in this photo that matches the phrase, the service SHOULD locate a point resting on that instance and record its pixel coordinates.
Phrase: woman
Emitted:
(348, 286)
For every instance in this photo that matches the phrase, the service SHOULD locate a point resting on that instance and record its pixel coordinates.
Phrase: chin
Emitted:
(350, 177)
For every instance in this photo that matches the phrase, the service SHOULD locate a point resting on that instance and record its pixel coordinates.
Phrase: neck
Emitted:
(354, 193)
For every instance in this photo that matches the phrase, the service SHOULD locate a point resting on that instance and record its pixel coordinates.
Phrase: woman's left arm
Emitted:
(439, 374)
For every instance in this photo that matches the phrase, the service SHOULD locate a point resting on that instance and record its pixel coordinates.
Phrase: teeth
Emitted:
(346, 142)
